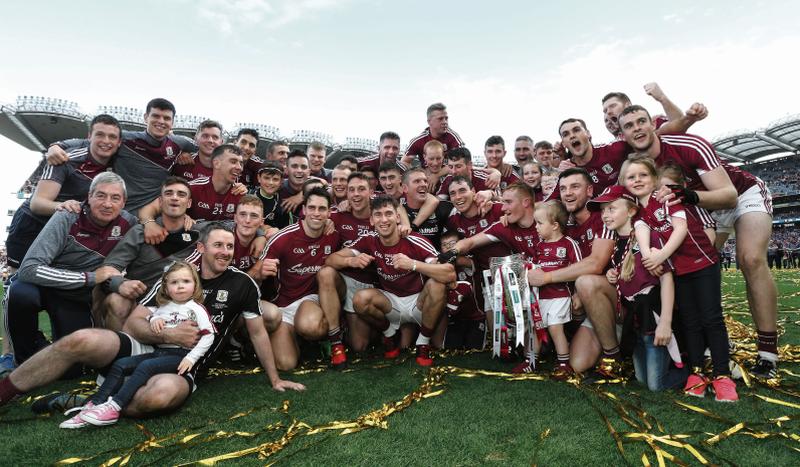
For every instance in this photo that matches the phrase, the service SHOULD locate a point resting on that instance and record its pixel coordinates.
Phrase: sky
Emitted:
(356, 68)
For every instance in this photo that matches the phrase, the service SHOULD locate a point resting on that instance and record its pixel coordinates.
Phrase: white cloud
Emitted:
(230, 15)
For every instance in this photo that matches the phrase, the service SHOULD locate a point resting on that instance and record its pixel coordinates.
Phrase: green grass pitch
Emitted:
(479, 420)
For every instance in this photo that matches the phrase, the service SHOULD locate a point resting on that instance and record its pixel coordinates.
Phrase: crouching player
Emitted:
(411, 285)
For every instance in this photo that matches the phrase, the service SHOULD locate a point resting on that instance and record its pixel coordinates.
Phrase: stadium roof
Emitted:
(781, 137)
(36, 122)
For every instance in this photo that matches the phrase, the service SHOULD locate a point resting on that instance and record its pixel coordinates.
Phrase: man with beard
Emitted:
(740, 202)
(595, 295)
(415, 196)
(337, 284)
(404, 295)
(293, 257)
(229, 293)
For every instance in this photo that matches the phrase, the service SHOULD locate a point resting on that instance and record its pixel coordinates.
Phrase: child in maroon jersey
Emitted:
(698, 282)
(556, 251)
(647, 300)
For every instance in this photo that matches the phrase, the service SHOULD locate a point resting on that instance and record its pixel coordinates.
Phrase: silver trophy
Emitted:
(506, 289)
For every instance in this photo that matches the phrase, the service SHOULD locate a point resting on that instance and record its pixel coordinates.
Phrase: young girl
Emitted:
(646, 299)
(555, 251)
(179, 299)
(532, 176)
(697, 276)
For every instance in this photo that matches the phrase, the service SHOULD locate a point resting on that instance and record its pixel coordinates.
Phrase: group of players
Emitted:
(384, 248)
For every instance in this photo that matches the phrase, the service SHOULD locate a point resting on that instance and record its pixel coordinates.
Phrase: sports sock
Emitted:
(7, 390)
(612, 353)
(563, 359)
(767, 343)
(335, 335)
(425, 334)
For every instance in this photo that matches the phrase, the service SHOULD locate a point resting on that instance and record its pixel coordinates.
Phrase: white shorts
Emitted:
(353, 286)
(757, 198)
(290, 310)
(588, 324)
(555, 310)
(406, 306)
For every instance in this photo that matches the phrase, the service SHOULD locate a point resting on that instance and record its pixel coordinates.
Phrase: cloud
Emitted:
(737, 80)
(230, 15)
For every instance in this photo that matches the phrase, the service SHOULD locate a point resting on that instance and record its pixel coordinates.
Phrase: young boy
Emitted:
(466, 323)
(270, 176)
(555, 251)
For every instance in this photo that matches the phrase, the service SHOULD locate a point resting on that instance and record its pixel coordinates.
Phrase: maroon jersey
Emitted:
(520, 240)
(470, 226)
(478, 179)
(605, 164)
(300, 258)
(696, 252)
(696, 157)
(462, 303)
(554, 255)
(585, 233)
(192, 171)
(390, 279)
(450, 140)
(641, 278)
(209, 205)
(350, 229)
(250, 171)
(242, 259)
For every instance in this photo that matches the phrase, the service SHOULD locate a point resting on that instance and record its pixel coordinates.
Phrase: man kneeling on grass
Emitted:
(403, 295)
(228, 294)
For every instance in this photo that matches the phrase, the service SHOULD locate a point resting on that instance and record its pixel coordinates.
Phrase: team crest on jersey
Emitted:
(169, 151)
(192, 316)
(186, 237)
(589, 234)
(231, 207)
(116, 231)
(327, 249)
(660, 214)
(483, 223)
(607, 169)
(222, 295)
(561, 252)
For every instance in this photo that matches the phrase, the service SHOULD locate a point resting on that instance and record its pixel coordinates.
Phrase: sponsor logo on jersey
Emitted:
(222, 295)
(299, 269)
(561, 252)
